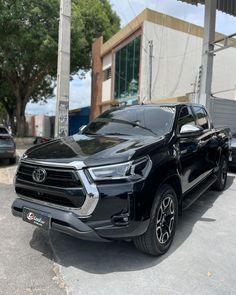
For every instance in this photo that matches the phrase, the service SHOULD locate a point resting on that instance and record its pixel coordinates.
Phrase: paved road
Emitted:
(27, 264)
(202, 260)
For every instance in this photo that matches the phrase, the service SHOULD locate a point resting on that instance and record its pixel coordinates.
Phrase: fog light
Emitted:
(120, 220)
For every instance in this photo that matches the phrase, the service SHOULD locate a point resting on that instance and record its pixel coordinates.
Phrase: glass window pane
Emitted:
(202, 118)
(185, 117)
(127, 72)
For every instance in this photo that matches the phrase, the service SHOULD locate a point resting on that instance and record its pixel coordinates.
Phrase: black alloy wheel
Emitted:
(160, 233)
(221, 175)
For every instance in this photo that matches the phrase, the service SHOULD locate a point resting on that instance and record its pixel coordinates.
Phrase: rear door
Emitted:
(190, 157)
(207, 142)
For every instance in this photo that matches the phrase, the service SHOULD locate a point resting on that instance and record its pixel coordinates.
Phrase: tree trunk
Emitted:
(20, 117)
(12, 123)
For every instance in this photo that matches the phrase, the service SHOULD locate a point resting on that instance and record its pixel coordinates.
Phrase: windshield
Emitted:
(145, 121)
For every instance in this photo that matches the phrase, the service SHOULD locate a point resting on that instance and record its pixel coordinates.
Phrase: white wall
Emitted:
(42, 126)
(224, 75)
(106, 90)
(106, 85)
(177, 58)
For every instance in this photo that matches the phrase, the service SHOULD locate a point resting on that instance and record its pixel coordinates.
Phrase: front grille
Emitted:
(55, 176)
(67, 201)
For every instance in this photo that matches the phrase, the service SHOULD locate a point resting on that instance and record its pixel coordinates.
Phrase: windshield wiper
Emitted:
(88, 133)
(134, 124)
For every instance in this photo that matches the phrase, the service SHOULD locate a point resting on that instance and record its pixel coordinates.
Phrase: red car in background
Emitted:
(41, 139)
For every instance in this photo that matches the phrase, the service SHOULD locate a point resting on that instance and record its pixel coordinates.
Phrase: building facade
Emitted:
(155, 58)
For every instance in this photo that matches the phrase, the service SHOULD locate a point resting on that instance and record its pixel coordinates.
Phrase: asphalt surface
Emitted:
(27, 261)
(201, 261)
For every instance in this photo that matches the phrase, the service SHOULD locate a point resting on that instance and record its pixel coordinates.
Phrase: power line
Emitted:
(132, 28)
(171, 93)
(160, 50)
(135, 14)
(222, 91)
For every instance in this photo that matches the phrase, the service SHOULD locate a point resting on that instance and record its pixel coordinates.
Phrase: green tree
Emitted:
(29, 44)
(7, 102)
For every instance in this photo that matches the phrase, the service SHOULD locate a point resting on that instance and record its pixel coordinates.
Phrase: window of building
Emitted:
(127, 71)
(107, 74)
(202, 117)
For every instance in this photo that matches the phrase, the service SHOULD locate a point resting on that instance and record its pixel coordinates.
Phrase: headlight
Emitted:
(121, 171)
(23, 157)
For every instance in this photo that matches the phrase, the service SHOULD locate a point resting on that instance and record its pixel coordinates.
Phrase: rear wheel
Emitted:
(160, 233)
(221, 175)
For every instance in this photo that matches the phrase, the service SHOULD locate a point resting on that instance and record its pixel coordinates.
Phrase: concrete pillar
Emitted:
(207, 59)
(63, 71)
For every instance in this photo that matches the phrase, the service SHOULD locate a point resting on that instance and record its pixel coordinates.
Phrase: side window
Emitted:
(202, 117)
(185, 117)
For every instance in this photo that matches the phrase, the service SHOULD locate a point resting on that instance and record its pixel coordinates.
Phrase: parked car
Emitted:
(232, 163)
(7, 146)
(41, 139)
(127, 175)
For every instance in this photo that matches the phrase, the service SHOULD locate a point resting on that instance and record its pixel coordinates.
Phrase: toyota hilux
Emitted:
(128, 174)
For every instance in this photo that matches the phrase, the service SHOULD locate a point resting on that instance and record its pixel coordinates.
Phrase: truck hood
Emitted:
(94, 150)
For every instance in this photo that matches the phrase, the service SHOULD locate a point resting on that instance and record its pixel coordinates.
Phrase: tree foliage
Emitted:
(29, 45)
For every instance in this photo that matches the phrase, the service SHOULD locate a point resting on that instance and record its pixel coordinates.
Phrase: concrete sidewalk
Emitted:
(201, 261)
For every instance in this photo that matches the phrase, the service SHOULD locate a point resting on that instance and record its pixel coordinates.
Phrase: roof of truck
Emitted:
(177, 104)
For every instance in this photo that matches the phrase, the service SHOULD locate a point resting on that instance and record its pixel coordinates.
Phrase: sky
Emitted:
(80, 90)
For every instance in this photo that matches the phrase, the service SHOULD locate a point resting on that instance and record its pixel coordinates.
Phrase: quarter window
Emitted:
(185, 117)
(202, 117)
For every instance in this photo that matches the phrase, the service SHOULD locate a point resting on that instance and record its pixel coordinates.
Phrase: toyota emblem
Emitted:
(39, 175)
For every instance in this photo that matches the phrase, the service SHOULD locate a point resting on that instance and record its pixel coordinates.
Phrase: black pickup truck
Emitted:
(127, 175)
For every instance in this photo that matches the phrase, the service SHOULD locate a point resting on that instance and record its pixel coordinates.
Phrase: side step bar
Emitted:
(196, 193)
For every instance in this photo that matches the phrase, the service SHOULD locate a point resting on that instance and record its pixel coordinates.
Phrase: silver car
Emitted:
(7, 145)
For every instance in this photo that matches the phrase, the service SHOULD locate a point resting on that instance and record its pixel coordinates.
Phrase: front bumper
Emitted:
(7, 153)
(69, 223)
(62, 221)
(111, 210)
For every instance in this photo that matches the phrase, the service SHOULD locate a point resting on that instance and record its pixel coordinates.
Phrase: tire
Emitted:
(161, 230)
(221, 175)
(12, 161)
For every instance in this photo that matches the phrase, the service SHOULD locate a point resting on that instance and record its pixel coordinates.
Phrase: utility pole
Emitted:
(63, 70)
(207, 57)
(150, 43)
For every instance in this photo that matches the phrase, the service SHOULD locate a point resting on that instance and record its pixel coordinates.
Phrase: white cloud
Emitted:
(127, 10)
(80, 92)
(80, 95)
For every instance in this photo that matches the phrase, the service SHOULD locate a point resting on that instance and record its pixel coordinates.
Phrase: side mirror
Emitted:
(189, 130)
(82, 128)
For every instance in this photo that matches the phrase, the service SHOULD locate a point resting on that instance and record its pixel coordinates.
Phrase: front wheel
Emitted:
(160, 233)
(221, 175)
